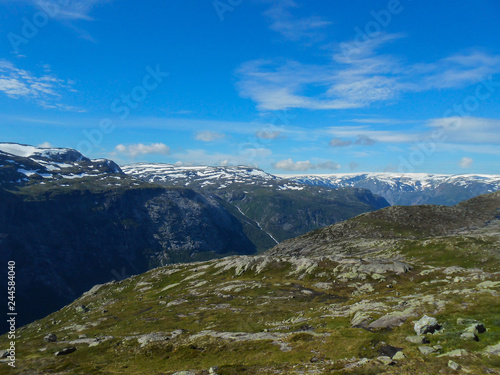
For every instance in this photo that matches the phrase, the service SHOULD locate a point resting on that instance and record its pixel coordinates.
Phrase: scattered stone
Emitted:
(426, 350)
(81, 309)
(493, 349)
(426, 325)
(50, 338)
(385, 360)
(66, 351)
(314, 360)
(360, 363)
(399, 356)
(388, 351)
(184, 373)
(464, 321)
(469, 336)
(213, 370)
(417, 339)
(4, 353)
(82, 336)
(453, 365)
(455, 353)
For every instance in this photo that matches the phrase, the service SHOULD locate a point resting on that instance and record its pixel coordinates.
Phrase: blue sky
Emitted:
(289, 86)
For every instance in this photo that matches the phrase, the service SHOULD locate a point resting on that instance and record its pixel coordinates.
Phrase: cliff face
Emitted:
(63, 242)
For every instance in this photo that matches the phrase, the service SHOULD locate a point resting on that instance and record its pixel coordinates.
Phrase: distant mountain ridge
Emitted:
(410, 188)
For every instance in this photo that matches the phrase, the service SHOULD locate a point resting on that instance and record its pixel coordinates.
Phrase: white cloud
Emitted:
(45, 145)
(209, 136)
(142, 149)
(302, 166)
(45, 90)
(465, 162)
(357, 76)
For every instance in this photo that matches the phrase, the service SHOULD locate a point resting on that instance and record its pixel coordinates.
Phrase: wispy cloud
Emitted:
(250, 157)
(339, 142)
(45, 90)
(68, 9)
(357, 75)
(291, 27)
(268, 134)
(303, 166)
(468, 130)
(142, 149)
(364, 140)
(209, 136)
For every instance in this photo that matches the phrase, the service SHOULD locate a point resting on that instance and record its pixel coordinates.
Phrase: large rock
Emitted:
(476, 328)
(426, 325)
(388, 350)
(50, 338)
(469, 336)
(417, 339)
(426, 350)
(390, 320)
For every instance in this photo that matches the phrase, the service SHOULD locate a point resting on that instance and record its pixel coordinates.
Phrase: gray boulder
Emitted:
(426, 350)
(476, 328)
(469, 336)
(417, 339)
(426, 325)
(50, 338)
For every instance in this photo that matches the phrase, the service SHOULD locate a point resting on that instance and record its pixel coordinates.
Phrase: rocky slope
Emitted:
(411, 188)
(384, 292)
(282, 208)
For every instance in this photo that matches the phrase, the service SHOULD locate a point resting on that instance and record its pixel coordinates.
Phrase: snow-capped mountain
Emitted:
(397, 189)
(410, 188)
(20, 164)
(200, 176)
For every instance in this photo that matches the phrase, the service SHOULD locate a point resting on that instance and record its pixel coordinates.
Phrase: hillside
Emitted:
(351, 298)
